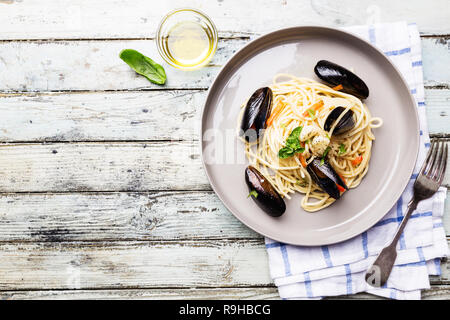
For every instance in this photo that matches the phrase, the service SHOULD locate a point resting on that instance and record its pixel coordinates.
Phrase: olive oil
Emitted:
(189, 44)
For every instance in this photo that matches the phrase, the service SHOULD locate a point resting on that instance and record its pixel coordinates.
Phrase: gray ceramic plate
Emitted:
(296, 51)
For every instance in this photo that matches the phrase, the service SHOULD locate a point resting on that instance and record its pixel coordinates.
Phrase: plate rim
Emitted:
(226, 66)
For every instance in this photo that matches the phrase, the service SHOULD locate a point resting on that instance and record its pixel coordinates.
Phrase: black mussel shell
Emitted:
(326, 178)
(256, 113)
(337, 75)
(346, 123)
(267, 198)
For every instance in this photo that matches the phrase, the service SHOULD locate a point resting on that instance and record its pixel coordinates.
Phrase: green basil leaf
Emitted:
(296, 132)
(144, 66)
(285, 152)
(293, 139)
(292, 144)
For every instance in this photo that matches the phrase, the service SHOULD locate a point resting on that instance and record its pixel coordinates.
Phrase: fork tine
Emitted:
(427, 160)
(437, 163)
(433, 160)
(443, 165)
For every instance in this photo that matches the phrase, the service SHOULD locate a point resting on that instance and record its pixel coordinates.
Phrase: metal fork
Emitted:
(427, 183)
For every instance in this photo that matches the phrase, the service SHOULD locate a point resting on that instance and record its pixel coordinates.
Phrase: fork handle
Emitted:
(380, 270)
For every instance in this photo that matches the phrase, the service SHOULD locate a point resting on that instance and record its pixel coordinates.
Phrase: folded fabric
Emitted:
(339, 269)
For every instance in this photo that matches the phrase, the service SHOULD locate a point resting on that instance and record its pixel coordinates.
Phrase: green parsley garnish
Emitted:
(253, 193)
(293, 145)
(301, 183)
(342, 148)
(326, 151)
(311, 113)
(322, 161)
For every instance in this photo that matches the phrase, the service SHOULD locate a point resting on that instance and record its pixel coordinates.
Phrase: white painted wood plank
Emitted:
(97, 116)
(438, 110)
(436, 59)
(95, 65)
(437, 292)
(262, 293)
(102, 167)
(133, 265)
(117, 216)
(126, 116)
(34, 19)
(123, 216)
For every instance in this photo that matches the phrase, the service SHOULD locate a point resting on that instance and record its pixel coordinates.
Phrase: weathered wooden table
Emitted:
(93, 202)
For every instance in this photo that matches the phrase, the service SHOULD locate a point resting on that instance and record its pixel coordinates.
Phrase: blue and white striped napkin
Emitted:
(339, 269)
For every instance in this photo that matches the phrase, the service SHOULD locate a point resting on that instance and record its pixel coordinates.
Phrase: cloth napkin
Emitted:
(339, 269)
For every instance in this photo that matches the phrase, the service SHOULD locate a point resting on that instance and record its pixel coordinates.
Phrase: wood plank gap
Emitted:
(232, 36)
(262, 286)
(52, 92)
(440, 136)
(8, 93)
(55, 240)
(5, 93)
(100, 192)
(259, 240)
(105, 191)
(437, 87)
(44, 142)
(220, 38)
(437, 36)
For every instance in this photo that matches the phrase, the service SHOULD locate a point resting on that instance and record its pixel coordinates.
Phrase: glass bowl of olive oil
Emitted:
(186, 39)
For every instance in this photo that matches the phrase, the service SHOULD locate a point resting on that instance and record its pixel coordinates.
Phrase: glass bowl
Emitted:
(186, 39)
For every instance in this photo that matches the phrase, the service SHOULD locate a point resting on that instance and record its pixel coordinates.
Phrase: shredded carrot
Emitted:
(302, 160)
(342, 178)
(357, 160)
(316, 106)
(274, 114)
(338, 87)
(340, 188)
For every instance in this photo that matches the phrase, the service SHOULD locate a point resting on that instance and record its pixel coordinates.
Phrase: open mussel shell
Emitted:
(346, 123)
(335, 74)
(326, 178)
(256, 113)
(266, 197)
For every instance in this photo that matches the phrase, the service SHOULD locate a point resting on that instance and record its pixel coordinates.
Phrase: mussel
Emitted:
(337, 75)
(326, 178)
(256, 113)
(263, 193)
(346, 123)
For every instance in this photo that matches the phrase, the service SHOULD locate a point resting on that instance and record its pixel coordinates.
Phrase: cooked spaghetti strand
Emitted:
(307, 103)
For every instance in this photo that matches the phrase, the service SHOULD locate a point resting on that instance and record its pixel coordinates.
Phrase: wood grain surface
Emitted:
(102, 190)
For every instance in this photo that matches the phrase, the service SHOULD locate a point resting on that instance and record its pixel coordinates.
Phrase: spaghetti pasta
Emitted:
(302, 102)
